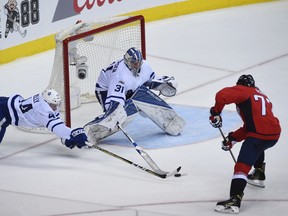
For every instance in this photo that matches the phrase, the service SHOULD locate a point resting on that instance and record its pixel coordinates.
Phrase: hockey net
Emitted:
(101, 42)
(108, 40)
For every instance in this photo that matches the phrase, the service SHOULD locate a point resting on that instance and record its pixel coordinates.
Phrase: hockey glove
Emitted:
(77, 138)
(228, 142)
(67, 143)
(167, 86)
(215, 118)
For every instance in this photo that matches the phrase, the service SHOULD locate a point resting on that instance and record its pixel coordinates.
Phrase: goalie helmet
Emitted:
(133, 60)
(52, 97)
(246, 80)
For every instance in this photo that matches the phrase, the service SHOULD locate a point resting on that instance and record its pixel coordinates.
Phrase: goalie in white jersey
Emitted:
(40, 110)
(123, 90)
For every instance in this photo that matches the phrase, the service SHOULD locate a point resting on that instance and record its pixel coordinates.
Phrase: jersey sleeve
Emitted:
(229, 95)
(60, 129)
(240, 134)
(51, 120)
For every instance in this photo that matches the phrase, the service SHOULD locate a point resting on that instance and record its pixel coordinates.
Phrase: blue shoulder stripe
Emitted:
(14, 110)
(49, 122)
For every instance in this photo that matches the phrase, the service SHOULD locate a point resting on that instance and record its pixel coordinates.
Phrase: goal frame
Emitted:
(66, 42)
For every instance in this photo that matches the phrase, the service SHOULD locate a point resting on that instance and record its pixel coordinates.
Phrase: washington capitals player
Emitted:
(40, 110)
(123, 90)
(261, 130)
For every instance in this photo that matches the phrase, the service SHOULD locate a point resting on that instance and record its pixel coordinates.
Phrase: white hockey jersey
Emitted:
(35, 112)
(117, 80)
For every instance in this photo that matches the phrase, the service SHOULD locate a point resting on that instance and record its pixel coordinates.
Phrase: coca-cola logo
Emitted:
(69, 8)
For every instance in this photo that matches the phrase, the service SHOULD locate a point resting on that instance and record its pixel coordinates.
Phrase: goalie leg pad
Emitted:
(166, 119)
(106, 125)
(130, 108)
(97, 132)
(158, 111)
(175, 126)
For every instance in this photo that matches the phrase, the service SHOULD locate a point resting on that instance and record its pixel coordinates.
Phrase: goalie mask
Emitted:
(133, 60)
(52, 97)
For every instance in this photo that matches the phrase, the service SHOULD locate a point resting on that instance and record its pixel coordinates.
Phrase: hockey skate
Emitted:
(257, 177)
(230, 206)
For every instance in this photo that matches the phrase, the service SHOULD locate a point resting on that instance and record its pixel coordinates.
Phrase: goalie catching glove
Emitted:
(228, 142)
(77, 138)
(167, 86)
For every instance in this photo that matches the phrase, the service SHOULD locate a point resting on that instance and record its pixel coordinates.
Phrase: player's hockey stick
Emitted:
(145, 156)
(231, 153)
(250, 183)
(160, 175)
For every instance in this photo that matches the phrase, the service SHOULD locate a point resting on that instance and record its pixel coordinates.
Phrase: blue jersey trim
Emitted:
(14, 110)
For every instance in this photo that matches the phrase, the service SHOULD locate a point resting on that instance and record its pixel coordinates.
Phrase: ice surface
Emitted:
(204, 52)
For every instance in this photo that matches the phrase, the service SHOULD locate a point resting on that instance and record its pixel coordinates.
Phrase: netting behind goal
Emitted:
(111, 38)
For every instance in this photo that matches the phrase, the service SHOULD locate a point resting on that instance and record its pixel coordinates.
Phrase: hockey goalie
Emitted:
(124, 89)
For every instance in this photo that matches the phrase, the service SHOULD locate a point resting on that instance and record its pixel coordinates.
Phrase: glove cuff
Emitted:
(213, 112)
(63, 140)
(230, 137)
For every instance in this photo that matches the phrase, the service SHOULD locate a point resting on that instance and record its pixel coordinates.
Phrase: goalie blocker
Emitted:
(144, 102)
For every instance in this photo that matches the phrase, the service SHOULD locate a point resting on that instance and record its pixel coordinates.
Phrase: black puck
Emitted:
(177, 175)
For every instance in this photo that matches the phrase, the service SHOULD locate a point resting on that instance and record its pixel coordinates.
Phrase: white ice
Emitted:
(205, 52)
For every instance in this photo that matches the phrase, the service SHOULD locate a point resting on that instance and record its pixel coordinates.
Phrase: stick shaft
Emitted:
(127, 161)
(231, 153)
(143, 153)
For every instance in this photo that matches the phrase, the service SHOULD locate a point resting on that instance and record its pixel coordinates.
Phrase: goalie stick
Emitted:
(146, 157)
(160, 175)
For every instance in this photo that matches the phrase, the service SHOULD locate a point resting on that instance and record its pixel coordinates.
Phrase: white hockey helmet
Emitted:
(133, 60)
(52, 97)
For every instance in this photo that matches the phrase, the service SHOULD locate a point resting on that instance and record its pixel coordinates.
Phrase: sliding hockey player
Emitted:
(40, 110)
(123, 90)
(75, 59)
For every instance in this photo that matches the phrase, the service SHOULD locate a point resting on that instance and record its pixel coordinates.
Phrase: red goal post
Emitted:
(111, 38)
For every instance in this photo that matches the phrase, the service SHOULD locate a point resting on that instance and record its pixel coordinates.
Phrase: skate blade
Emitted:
(256, 183)
(229, 209)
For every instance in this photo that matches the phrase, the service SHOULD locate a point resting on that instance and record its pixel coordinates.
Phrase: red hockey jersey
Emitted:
(255, 109)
